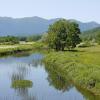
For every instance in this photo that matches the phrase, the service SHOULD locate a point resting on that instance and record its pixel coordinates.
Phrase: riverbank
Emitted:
(82, 66)
(11, 49)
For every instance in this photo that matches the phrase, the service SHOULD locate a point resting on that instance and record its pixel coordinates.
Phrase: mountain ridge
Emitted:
(34, 25)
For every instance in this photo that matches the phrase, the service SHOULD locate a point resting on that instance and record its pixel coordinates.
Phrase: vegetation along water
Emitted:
(65, 64)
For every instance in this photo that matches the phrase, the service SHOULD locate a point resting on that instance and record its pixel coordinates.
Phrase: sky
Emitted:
(82, 10)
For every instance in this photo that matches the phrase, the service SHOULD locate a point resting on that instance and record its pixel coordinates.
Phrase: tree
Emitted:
(73, 35)
(57, 35)
(63, 34)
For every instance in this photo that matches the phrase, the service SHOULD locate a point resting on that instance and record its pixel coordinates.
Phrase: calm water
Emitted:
(47, 84)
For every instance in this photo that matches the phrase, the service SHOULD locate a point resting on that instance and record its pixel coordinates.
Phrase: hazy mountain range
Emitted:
(34, 25)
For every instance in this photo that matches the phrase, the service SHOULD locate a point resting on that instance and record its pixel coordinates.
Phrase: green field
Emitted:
(81, 65)
(10, 49)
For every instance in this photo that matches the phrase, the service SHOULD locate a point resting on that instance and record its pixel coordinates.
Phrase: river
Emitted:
(47, 85)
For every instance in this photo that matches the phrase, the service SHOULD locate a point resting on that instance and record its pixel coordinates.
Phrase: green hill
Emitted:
(91, 34)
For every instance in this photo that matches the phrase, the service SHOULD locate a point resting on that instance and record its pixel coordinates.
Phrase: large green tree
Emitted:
(73, 35)
(63, 34)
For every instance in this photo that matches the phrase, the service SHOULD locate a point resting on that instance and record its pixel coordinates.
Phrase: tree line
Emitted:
(9, 40)
(17, 39)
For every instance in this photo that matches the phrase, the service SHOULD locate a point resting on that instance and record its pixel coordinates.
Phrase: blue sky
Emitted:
(82, 10)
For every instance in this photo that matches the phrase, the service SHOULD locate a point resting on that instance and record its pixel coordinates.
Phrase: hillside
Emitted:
(91, 33)
(33, 25)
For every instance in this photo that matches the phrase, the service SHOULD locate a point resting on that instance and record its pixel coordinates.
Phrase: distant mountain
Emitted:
(33, 25)
(88, 26)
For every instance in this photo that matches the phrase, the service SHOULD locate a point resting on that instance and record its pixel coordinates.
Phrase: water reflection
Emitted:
(24, 94)
(49, 83)
(58, 81)
(22, 70)
(20, 73)
(37, 60)
(21, 54)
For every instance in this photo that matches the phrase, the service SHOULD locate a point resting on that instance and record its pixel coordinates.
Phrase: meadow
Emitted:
(82, 65)
(10, 49)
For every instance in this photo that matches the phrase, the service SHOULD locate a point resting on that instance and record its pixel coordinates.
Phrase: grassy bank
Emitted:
(82, 66)
(9, 49)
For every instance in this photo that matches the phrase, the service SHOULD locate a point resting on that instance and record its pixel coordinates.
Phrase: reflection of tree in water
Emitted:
(20, 73)
(37, 60)
(22, 54)
(24, 94)
(57, 80)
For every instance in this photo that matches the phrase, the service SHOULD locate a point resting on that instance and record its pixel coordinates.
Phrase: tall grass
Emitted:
(9, 49)
(83, 66)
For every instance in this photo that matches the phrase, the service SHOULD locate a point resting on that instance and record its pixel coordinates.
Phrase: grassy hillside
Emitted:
(91, 33)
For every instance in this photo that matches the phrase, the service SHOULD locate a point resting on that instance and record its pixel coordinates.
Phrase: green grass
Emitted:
(22, 84)
(10, 49)
(82, 66)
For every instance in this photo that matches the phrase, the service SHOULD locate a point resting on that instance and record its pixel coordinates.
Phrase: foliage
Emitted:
(33, 38)
(9, 40)
(11, 49)
(73, 35)
(22, 84)
(57, 79)
(63, 34)
(98, 38)
(83, 66)
(90, 35)
(44, 38)
(30, 38)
